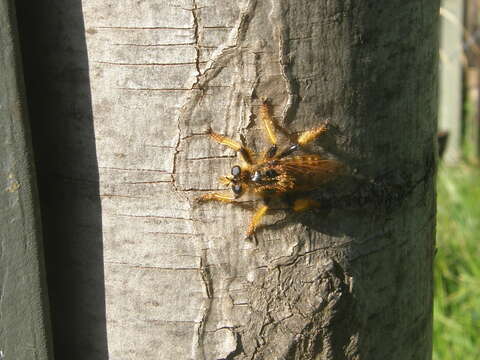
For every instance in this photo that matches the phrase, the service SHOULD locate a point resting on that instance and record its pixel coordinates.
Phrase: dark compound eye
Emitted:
(271, 173)
(236, 170)
(237, 189)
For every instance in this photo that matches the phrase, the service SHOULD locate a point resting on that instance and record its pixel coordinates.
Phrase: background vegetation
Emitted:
(457, 264)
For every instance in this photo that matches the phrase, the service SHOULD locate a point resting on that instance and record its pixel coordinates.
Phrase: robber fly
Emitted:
(278, 172)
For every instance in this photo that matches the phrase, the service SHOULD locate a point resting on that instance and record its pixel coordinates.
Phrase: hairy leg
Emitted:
(259, 214)
(265, 114)
(310, 135)
(244, 152)
(221, 197)
(303, 139)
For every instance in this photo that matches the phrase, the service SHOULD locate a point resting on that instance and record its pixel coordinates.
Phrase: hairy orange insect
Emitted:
(276, 172)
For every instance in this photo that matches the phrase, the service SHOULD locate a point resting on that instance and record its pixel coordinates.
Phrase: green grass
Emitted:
(457, 265)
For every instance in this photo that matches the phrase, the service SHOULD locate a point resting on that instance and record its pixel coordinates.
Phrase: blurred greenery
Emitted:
(457, 265)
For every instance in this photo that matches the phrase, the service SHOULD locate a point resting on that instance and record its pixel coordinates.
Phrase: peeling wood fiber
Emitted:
(350, 281)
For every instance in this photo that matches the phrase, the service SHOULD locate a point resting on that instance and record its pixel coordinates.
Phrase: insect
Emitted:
(278, 172)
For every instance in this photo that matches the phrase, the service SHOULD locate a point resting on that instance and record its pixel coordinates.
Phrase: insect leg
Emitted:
(261, 211)
(288, 151)
(222, 197)
(245, 153)
(310, 135)
(304, 204)
(265, 114)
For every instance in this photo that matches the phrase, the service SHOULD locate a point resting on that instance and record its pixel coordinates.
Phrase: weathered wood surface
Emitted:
(24, 321)
(181, 282)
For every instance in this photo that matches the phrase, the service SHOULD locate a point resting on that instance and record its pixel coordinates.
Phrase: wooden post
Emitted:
(24, 321)
(352, 280)
(451, 52)
(472, 74)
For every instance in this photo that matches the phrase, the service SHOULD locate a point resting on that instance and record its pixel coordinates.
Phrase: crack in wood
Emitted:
(150, 267)
(206, 277)
(149, 64)
(154, 45)
(141, 28)
(152, 89)
(280, 33)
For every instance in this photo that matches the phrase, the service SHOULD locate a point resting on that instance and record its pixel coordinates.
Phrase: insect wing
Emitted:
(311, 171)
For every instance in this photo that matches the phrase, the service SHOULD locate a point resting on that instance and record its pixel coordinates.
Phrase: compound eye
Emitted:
(237, 189)
(236, 170)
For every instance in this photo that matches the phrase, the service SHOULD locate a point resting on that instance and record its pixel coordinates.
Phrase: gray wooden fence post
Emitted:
(450, 104)
(24, 322)
(472, 74)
